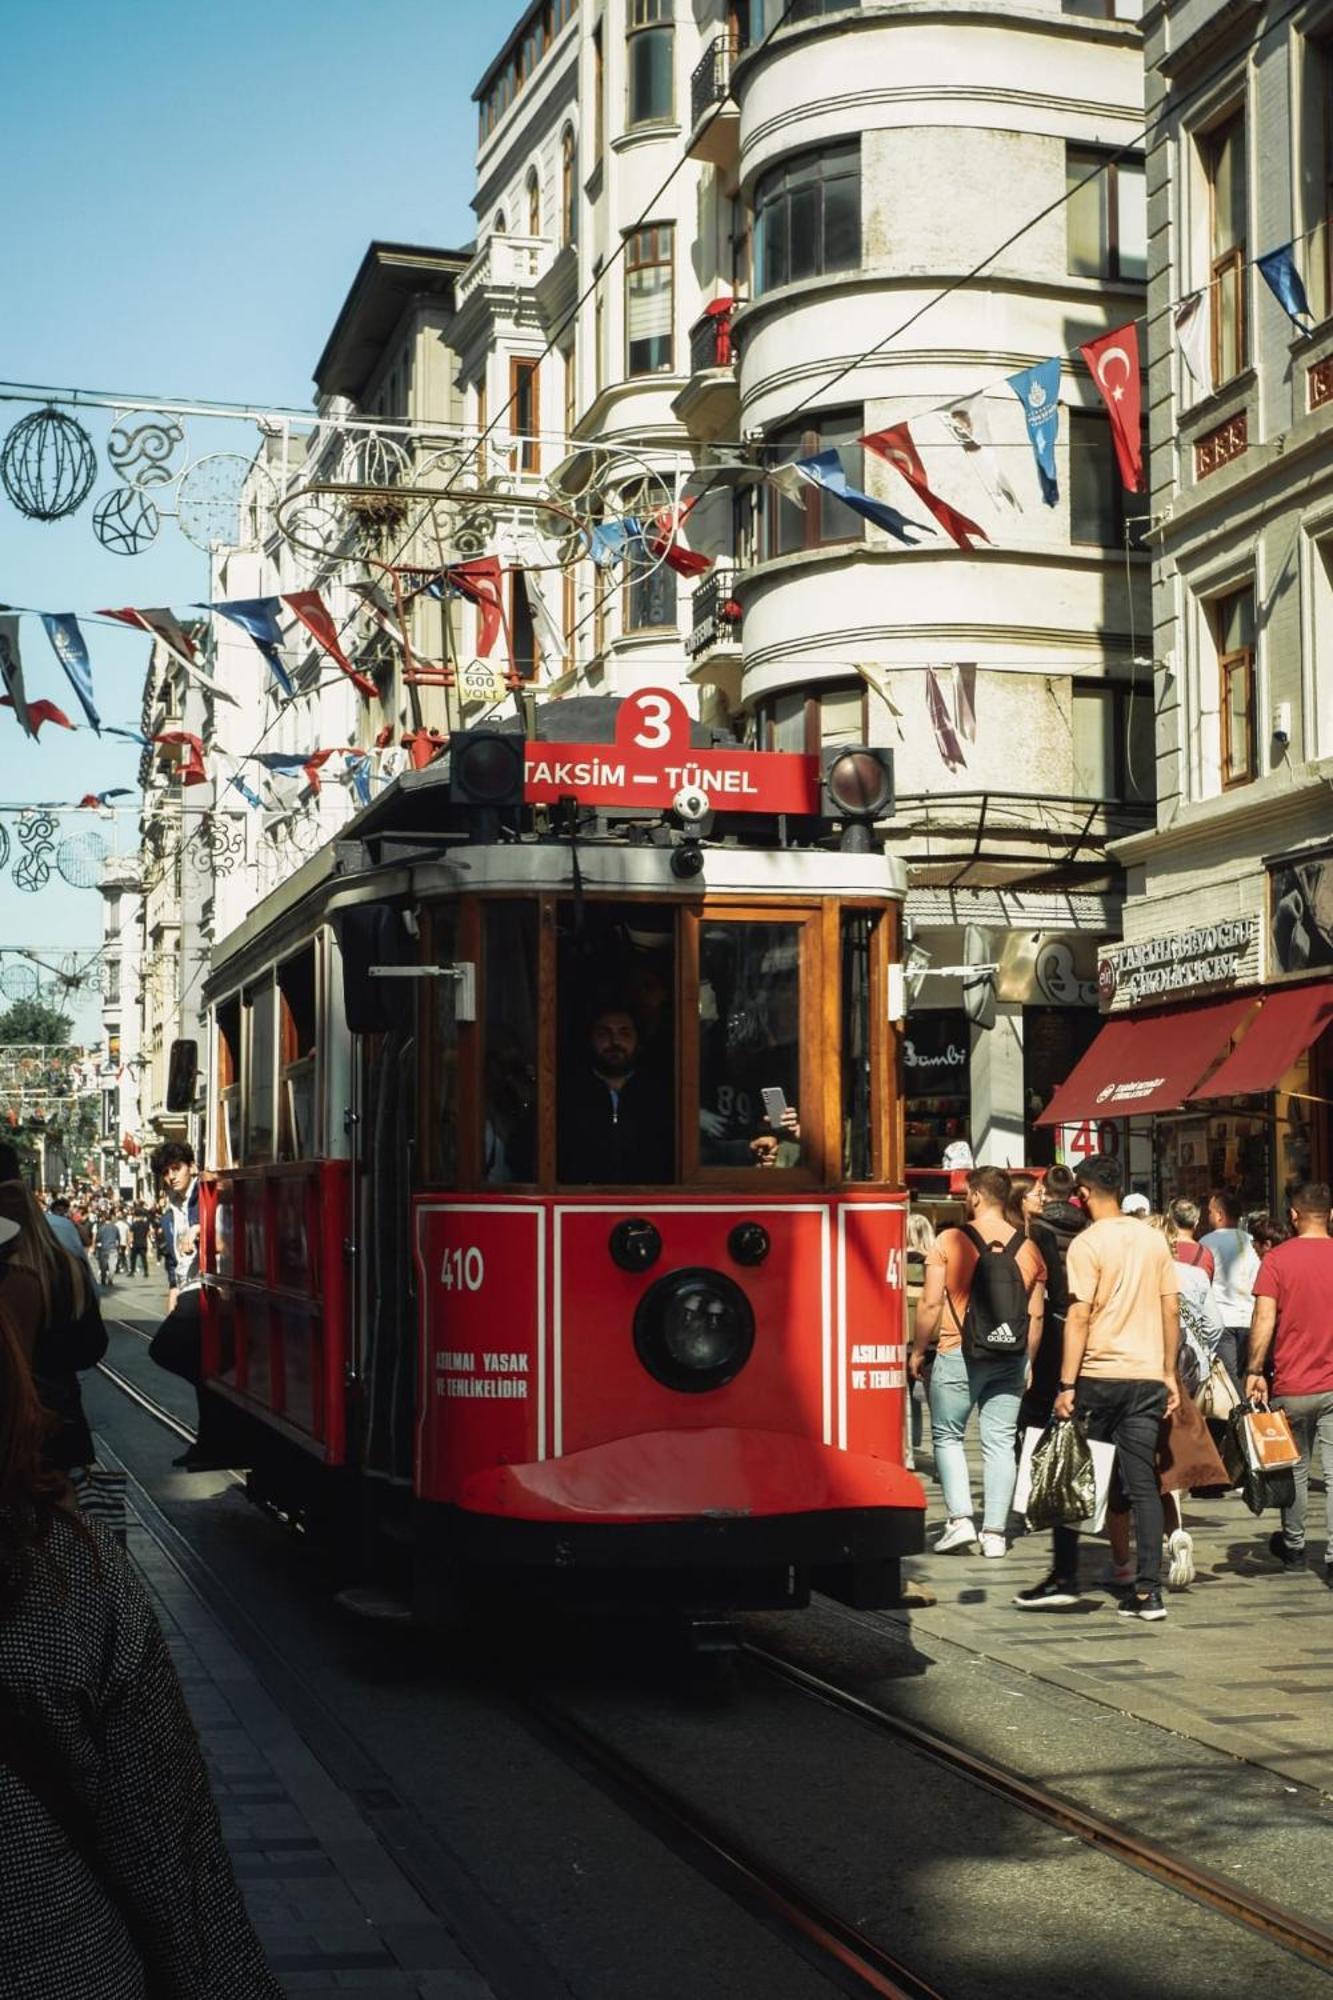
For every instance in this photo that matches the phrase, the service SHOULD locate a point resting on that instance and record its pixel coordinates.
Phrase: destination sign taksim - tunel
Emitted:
(652, 760)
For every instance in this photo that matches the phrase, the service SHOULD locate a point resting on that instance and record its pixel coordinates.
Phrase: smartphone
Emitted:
(774, 1104)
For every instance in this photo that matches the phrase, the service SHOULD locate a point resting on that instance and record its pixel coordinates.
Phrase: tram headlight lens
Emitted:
(694, 1330)
(858, 783)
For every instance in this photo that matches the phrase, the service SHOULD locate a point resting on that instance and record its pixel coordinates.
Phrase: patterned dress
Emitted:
(114, 1880)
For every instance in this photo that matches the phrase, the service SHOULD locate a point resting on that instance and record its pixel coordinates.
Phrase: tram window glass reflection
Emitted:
(296, 1056)
(509, 1108)
(616, 1081)
(441, 1055)
(228, 1028)
(749, 1045)
(259, 1077)
(858, 1151)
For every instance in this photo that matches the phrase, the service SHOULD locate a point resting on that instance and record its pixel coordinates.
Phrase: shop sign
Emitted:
(1079, 1142)
(935, 1051)
(1183, 962)
(652, 761)
(1300, 915)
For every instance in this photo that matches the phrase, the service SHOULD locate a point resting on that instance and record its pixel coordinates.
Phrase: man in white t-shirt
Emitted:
(1235, 1268)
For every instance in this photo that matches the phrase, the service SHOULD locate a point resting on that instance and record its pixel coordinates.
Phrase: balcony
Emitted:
(497, 287)
(715, 118)
(709, 404)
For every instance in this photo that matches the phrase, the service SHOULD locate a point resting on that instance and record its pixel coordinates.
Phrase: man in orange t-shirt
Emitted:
(991, 1384)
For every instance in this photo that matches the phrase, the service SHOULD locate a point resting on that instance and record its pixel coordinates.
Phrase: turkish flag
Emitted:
(313, 613)
(40, 712)
(661, 538)
(897, 446)
(1114, 363)
(480, 580)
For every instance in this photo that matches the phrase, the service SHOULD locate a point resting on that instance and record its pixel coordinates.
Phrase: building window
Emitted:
(764, 16)
(570, 403)
(112, 923)
(1114, 751)
(650, 48)
(569, 213)
(1225, 171)
(499, 226)
(649, 301)
(522, 631)
(598, 95)
(650, 597)
(525, 415)
(804, 721)
(1106, 217)
(111, 982)
(1232, 620)
(481, 427)
(807, 217)
(598, 331)
(1100, 509)
(534, 198)
(816, 519)
(1316, 174)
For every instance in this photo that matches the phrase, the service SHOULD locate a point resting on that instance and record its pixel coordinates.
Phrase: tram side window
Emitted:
(296, 1026)
(228, 1050)
(260, 1081)
(440, 1056)
(749, 1045)
(509, 1113)
(616, 1083)
(858, 1151)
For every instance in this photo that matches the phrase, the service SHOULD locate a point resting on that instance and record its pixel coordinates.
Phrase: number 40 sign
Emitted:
(652, 759)
(1080, 1142)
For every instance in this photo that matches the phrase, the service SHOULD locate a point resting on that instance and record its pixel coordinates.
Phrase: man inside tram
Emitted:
(616, 1123)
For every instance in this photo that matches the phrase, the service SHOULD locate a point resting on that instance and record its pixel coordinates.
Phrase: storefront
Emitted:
(937, 1093)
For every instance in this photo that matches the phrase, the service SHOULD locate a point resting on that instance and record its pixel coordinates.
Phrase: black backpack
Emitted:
(996, 1321)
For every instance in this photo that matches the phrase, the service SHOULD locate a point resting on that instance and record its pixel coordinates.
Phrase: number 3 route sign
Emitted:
(652, 759)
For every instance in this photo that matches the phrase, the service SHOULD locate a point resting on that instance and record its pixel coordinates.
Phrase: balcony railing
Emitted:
(715, 613)
(710, 338)
(505, 260)
(711, 81)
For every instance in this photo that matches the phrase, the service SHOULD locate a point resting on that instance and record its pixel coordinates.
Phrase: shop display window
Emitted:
(937, 1090)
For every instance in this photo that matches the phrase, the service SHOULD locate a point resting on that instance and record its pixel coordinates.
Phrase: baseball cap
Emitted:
(1135, 1204)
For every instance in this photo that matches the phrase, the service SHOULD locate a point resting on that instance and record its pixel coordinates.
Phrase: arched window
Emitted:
(499, 226)
(534, 204)
(568, 191)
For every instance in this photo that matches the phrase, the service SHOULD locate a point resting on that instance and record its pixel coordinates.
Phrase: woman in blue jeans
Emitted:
(992, 1385)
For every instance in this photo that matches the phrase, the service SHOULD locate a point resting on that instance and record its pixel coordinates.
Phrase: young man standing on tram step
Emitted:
(1293, 1318)
(177, 1345)
(1122, 1329)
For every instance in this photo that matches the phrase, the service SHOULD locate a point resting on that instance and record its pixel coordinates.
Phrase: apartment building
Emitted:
(1221, 997)
(122, 1063)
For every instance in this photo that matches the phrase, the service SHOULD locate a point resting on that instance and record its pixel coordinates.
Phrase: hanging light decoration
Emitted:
(48, 465)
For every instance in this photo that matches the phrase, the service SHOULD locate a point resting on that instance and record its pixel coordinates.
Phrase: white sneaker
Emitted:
(1180, 1548)
(993, 1544)
(958, 1535)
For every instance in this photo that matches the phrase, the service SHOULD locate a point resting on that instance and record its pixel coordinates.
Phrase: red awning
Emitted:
(1289, 1020)
(1146, 1062)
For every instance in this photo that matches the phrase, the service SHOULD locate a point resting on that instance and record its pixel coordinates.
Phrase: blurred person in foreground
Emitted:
(47, 1291)
(1292, 1338)
(116, 1883)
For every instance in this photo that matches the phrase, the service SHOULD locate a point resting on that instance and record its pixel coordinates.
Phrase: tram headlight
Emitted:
(694, 1330)
(857, 790)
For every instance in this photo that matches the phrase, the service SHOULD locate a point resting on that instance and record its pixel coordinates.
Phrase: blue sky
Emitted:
(188, 192)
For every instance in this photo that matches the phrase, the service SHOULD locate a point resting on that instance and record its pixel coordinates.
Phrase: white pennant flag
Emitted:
(551, 639)
(11, 672)
(969, 426)
(1191, 321)
(790, 483)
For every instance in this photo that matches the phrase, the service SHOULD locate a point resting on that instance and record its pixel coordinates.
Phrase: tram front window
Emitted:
(509, 1114)
(749, 1045)
(615, 1092)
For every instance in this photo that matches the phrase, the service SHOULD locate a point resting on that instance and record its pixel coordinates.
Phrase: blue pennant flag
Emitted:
(259, 617)
(1284, 281)
(130, 735)
(358, 770)
(826, 470)
(1038, 390)
(62, 629)
(609, 542)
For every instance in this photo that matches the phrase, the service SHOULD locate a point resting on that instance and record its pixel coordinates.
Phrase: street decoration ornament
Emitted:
(79, 859)
(211, 507)
(48, 465)
(126, 522)
(36, 836)
(141, 445)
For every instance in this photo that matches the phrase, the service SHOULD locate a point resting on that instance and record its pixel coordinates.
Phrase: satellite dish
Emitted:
(979, 985)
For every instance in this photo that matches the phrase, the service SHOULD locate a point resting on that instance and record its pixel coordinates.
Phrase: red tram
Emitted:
(553, 1222)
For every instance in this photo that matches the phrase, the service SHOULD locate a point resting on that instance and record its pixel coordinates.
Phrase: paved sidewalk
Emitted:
(335, 1913)
(1243, 1663)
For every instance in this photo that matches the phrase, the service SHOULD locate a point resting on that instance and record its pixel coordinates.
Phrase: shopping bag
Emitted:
(1268, 1439)
(1103, 1464)
(1261, 1487)
(1218, 1395)
(1063, 1488)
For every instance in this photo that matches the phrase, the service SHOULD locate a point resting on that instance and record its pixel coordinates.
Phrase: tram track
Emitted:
(1162, 1864)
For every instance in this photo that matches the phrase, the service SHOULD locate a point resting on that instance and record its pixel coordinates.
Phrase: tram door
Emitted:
(388, 1092)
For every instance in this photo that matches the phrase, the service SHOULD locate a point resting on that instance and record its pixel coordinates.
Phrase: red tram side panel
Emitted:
(534, 1403)
(276, 1302)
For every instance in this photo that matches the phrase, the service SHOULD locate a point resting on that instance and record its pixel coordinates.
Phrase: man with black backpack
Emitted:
(981, 1304)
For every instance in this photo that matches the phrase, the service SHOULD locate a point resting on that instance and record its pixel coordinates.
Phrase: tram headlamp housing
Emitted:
(486, 768)
(858, 790)
(694, 1330)
(635, 1244)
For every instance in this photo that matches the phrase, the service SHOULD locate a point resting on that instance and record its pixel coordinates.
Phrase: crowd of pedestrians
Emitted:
(1061, 1297)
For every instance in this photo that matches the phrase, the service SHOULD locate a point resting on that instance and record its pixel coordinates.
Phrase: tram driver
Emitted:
(616, 1124)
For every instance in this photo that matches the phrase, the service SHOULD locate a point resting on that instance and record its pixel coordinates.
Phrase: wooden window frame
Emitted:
(1109, 165)
(1240, 660)
(812, 501)
(662, 23)
(526, 455)
(648, 237)
(1229, 267)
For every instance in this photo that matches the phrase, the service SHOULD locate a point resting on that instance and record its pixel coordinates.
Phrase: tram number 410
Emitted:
(463, 1270)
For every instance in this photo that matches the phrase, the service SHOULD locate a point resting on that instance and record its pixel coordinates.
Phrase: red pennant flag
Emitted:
(661, 538)
(480, 580)
(40, 712)
(313, 613)
(160, 624)
(1114, 362)
(192, 771)
(312, 767)
(946, 738)
(896, 445)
